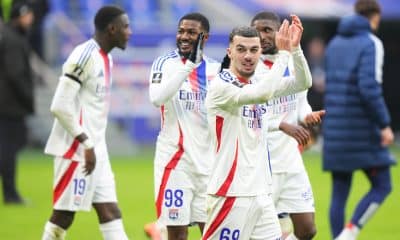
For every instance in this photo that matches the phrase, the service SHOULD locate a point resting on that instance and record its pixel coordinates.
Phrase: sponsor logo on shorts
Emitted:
(173, 213)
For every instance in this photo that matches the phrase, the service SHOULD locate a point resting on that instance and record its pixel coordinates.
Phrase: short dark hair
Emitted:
(106, 15)
(266, 16)
(19, 8)
(197, 17)
(243, 31)
(367, 8)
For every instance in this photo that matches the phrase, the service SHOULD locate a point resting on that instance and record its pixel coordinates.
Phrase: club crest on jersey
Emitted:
(156, 78)
(307, 195)
(101, 74)
(173, 213)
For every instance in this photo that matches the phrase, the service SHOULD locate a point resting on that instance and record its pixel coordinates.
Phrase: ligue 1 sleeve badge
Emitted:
(156, 78)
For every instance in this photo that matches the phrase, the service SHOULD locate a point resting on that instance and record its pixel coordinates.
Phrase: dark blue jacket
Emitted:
(16, 76)
(355, 108)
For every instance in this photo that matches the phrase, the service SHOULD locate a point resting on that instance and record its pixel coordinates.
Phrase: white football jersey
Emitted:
(184, 128)
(240, 165)
(90, 67)
(285, 155)
(234, 112)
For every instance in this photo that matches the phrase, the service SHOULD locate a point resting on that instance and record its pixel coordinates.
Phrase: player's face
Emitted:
(244, 53)
(186, 36)
(121, 32)
(267, 29)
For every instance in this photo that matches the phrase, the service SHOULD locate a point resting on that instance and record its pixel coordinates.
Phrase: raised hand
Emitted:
(197, 53)
(282, 37)
(295, 31)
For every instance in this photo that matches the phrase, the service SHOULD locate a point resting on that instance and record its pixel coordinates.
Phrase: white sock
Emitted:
(113, 230)
(286, 227)
(350, 232)
(291, 236)
(53, 232)
(163, 231)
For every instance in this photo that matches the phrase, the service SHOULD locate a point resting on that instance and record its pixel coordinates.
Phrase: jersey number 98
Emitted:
(173, 198)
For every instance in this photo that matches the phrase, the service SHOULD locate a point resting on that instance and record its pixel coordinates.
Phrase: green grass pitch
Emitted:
(134, 177)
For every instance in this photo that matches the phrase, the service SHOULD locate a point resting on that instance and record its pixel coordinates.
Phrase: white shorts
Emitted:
(241, 218)
(73, 191)
(180, 197)
(292, 192)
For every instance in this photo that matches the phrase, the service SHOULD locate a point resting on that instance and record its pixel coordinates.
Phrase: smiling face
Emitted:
(267, 29)
(186, 35)
(244, 53)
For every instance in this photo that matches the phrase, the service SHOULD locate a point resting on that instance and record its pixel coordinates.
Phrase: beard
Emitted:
(182, 54)
(270, 51)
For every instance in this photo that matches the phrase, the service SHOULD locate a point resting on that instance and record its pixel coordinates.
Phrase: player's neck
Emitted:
(240, 77)
(103, 42)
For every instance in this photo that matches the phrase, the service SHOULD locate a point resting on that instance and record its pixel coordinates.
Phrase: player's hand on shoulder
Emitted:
(282, 37)
(196, 55)
(90, 161)
(295, 31)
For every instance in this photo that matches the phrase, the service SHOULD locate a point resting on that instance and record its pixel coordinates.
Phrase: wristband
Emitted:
(88, 143)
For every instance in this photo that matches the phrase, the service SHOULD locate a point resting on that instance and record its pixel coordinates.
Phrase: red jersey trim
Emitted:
(64, 181)
(228, 181)
(75, 144)
(219, 123)
(224, 211)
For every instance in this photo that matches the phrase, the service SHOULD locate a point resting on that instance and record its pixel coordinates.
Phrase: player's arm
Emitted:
(227, 92)
(232, 93)
(302, 71)
(63, 102)
(162, 86)
(299, 133)
(302, 79)
(62, 107)
(279, 86)
(271, 84)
